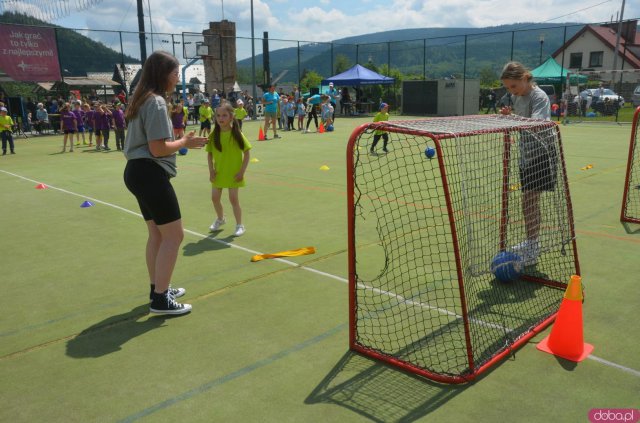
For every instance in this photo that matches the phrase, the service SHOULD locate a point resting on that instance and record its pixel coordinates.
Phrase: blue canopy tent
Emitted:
(355, 77)
(358, 75)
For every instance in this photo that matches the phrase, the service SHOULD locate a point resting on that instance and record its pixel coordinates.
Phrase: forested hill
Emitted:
(445, 49)
(78, 54)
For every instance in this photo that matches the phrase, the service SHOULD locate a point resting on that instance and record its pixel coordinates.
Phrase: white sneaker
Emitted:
(239, 230)
(528, 250)
(216, 224)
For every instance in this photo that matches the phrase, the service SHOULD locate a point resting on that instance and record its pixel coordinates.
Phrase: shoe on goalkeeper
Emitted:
(528, 250)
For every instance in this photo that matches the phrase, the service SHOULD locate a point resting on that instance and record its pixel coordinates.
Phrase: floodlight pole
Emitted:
(615, 53)
(253, 67)
(141, 34)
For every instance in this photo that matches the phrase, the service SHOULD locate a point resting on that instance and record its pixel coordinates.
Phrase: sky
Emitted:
(327, 20)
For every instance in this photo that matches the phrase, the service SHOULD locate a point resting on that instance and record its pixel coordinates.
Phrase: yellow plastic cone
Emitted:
(289, 253)
(324, 167)
(254, 160)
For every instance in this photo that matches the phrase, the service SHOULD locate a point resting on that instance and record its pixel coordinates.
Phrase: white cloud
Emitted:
(330, 20)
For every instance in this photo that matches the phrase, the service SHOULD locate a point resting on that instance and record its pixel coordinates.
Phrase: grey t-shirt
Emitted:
(534, 105)
(151, 123)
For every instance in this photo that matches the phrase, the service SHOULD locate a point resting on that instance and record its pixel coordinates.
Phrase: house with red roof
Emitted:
(592, 49)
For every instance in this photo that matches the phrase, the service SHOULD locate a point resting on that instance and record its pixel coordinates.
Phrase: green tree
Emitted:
(342, 63)
(310, 79)
(488, 78)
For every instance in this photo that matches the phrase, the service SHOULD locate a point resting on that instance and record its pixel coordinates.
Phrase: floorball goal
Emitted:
(425, 222)
(631, 197)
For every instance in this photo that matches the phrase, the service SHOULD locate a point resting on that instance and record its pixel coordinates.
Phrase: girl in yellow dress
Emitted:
(228, 158)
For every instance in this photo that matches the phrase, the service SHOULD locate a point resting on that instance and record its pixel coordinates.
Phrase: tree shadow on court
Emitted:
(206, 244)
(109, 335)
(379, 392)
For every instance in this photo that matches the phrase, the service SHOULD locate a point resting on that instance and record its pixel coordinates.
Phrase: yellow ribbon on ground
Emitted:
(289, 253)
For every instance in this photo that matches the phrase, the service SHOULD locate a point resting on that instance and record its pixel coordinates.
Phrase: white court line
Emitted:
(318, 272)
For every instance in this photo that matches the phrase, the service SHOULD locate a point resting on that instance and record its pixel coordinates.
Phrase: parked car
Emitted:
(550, 90)
(607, 96)
(635, 98)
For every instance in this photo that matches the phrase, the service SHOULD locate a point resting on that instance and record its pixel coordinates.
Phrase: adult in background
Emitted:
(334, 95)
(122, 97)
(270, 100)
(41, 118)
(215, 100)
(150, 150)
(345, 101)
(31, 108)
(198, 98)
(313, 104)
(492, 99)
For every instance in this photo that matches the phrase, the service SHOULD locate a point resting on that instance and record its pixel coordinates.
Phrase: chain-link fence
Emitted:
(476, 55)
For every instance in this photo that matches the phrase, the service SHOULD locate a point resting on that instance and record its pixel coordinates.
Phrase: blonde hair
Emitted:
(236, 134)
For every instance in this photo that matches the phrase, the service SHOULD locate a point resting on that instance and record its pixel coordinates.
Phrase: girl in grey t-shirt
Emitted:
(537, 157)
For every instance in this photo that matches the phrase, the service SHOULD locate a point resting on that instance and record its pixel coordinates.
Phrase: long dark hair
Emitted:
(235, 128)
(154, 79)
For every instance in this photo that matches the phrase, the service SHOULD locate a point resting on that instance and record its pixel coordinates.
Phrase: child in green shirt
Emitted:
(382, 115)
(239, 113)
(6, 126)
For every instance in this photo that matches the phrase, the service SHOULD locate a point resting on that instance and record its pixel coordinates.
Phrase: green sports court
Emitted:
(267, 341)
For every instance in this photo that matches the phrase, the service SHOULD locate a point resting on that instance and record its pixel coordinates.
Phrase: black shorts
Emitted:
(539, 164)
(205, 125)
(150, 184)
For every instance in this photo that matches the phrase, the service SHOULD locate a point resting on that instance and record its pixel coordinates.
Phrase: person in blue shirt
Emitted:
(334, 95)
(270, 100)
(215, 100)
(313, 103)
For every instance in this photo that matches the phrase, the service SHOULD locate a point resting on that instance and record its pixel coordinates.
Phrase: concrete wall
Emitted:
(220, 65)
(450, 97)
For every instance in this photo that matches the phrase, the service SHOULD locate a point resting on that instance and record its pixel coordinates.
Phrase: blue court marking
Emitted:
(234, 375)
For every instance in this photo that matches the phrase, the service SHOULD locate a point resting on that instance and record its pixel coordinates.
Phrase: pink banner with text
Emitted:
(29, 53)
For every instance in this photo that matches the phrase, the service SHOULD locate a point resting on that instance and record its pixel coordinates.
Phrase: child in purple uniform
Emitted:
(177, 120)
(79, 114)
(68, 125)
(103, 121)
(88, 121)
(120, 125)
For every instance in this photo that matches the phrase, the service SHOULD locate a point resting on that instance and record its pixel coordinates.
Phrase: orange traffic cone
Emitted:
(261, 134)
(321, 128)
(566, 337)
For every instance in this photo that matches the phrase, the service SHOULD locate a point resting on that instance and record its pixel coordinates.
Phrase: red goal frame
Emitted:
(438, 138)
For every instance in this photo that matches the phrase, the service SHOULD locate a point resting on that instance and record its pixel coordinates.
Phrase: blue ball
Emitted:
(330, 128)
(506, 266)
(183, 151)
(430, 152)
